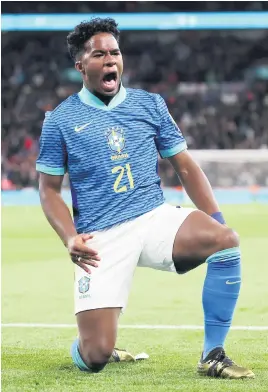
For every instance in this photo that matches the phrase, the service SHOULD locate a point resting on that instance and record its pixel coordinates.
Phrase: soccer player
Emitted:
(108, 138)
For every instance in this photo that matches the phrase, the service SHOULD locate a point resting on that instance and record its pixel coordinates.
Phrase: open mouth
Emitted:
(109, 81)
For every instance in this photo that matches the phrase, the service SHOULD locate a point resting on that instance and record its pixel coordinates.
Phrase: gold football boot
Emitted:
(218, 365)
(120, 355)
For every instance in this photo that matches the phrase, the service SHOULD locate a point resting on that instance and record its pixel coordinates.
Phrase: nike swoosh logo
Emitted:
(79, 129)
(228, 282)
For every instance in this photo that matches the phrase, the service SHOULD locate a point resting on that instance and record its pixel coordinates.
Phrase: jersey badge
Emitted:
(116, 140)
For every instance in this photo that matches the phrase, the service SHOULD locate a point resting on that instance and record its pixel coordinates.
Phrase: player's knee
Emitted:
(96, 366)
(227, 239)
(97, 355)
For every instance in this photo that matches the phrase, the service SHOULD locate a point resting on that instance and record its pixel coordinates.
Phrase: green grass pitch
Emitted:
(37, 287)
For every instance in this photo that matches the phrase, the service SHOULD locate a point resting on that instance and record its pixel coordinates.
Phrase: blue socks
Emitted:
(220, 293)
(78, 361)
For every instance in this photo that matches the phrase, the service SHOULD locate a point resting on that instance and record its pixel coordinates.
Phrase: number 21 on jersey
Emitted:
(121, 172)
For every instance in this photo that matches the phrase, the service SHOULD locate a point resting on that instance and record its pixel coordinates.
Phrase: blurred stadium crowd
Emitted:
(129, 6)
(215, 83)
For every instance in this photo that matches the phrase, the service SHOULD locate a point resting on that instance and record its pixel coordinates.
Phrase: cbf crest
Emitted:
(83, 284)
(116, 139)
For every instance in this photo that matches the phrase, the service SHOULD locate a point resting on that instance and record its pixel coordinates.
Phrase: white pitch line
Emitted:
(133, 326)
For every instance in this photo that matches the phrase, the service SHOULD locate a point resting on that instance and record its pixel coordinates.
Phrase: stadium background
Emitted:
(215, 85)
(212, 70)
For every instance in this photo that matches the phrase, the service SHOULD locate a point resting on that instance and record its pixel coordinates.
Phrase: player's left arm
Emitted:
(172, 145)
(195, 182)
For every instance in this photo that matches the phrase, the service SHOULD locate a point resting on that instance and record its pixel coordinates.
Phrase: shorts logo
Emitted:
(116, 140)
(83, 284)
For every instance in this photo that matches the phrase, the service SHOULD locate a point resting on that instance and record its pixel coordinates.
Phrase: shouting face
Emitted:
(101, 64)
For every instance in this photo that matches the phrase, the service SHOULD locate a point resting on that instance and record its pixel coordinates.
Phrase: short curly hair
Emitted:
(85, 30)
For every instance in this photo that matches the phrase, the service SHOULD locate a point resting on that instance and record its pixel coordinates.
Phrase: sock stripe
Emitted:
(223, 255)
(77, 359)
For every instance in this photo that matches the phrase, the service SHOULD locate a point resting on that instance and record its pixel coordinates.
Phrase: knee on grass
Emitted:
(97, 357)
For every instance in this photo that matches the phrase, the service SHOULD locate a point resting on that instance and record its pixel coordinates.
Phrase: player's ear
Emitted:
(79, 67)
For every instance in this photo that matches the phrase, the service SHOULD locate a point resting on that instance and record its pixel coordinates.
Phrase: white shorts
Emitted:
(146, 241)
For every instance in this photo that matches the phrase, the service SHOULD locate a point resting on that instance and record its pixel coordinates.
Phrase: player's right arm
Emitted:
(51, 165)
(59, 217)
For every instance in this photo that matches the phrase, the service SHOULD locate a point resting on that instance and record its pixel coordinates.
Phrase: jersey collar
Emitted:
(90, 99)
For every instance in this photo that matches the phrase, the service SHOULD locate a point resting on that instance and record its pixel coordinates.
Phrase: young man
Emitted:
(108, 138)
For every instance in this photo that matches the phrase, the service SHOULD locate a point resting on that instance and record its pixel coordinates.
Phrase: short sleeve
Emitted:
(169, 140)
(52, 154)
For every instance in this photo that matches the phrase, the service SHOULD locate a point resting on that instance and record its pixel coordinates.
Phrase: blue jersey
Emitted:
(110, 153)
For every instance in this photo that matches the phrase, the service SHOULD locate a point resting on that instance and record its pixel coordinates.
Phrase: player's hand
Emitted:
(81, 254)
